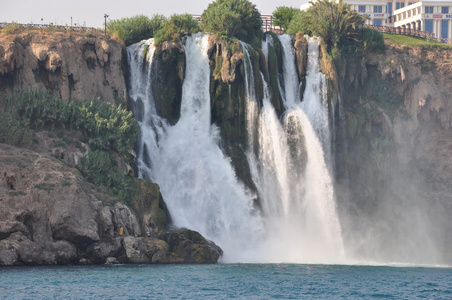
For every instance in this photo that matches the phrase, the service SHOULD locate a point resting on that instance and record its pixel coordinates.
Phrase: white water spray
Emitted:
(299, 222)
(196, 179)
(297, 200)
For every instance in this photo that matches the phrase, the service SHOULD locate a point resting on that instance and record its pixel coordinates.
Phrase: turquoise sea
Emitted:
(225, 281)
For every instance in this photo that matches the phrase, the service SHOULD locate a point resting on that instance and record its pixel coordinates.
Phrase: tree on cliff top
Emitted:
(334, 22)
(233, 18)
(283, 15)
(176, 26)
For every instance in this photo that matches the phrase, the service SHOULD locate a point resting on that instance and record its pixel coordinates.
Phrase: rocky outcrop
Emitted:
(301, 54)
(169, 67)
(50, 215)
(192, 247)
(68, 64)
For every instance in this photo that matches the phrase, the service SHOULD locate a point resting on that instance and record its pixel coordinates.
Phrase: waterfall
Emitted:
(298, 204)
(298, 220)
(197, 181)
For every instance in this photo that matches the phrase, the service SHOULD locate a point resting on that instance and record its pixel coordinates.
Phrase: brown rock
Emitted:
(69, 65)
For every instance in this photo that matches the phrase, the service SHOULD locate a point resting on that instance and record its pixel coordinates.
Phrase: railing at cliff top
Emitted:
(409, 31)
(51, 27)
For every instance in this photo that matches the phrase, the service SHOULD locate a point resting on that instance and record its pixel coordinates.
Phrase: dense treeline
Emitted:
(340, 28)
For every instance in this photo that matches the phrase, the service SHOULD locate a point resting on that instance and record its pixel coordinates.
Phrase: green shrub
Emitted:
(15, 131)
(176, 26)
(371, 40)
(300, 23)
(283, 15)
(12, 28)
(233, 18)
(106, 126)
(134, 29)
(99, 168)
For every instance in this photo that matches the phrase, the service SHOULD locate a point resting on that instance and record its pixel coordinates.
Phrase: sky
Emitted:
(91, 12)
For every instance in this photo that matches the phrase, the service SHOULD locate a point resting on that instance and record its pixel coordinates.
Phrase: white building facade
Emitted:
(432, 16)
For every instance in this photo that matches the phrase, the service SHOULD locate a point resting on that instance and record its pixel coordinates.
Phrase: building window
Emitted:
(429, 26)
(444, 29)
(409, 3)
(377, 22)
(400, 5)
(361, 8)
(390, 7)
(378, 9)
(444, 10)
(429, 9)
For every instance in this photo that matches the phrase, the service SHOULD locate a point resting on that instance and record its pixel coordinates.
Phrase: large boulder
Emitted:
(192, 247)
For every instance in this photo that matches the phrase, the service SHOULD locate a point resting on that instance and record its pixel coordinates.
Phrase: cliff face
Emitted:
(393, 146)
(49, 213)
(70, 65)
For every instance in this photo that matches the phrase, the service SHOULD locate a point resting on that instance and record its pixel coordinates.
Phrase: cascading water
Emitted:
(298, 221)
(196, 179)
(297, 199)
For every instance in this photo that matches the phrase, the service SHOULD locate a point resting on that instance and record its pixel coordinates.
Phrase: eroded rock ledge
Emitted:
(69, 65)
(50, 215)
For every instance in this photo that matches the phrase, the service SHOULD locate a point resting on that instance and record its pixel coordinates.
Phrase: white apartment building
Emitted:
(433, 16)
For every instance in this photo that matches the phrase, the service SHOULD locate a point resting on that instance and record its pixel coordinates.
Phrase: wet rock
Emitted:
(162, 257)
(136, 250)
(193, 247)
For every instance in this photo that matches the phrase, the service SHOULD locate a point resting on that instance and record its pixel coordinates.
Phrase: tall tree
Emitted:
(334, 21)
(233, 18)
(283, 15)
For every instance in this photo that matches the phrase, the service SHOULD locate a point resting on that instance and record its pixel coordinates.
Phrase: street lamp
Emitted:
(105, 22)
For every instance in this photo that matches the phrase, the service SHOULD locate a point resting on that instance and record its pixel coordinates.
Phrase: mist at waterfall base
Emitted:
(300, 219)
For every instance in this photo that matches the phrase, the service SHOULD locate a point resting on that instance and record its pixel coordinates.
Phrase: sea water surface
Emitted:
(225, 281)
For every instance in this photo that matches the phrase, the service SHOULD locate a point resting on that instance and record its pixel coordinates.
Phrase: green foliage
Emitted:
(100, 168)
(300, 23)
(15, 131)
(134, 29)
(233, 18)
(12, 28)
(176, 26)
(45, 186)
(334, 22)
(371, 40)
(283, 15)
(107, 127)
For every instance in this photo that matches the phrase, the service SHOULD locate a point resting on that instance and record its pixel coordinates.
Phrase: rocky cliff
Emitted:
(69, 65)
(393, 145)
(49, 212)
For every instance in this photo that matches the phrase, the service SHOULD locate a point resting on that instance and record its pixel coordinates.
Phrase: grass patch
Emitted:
(17, 193)
(412, 40)
(45, 186)
(66, 182)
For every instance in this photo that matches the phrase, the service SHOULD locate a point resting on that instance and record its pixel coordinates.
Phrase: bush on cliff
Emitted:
(176, 26)
(134, 29)
(109, 130)
(108, 127)
(234, 19)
